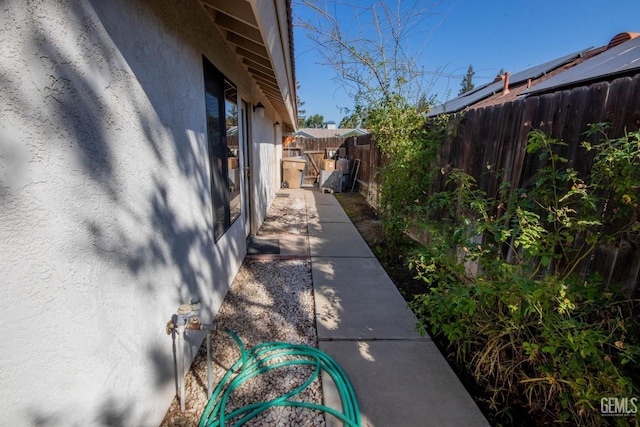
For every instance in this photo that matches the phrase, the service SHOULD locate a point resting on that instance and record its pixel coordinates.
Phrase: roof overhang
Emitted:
(261, 35)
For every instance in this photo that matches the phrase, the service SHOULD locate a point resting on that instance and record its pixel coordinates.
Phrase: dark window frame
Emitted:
(219, 91)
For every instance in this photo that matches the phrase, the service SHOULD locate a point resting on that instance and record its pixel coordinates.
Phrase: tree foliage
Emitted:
(355, 119)
(301, 112)
(371, 53)
(350, 121)
(314, 121)
(377, 65)
(466, 84)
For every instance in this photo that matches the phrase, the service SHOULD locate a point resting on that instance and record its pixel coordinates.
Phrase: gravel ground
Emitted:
(286, 215)
(269, 300)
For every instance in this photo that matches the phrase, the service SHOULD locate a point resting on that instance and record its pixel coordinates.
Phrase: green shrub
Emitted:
(409, 148)
(530, 330)
(558, 346)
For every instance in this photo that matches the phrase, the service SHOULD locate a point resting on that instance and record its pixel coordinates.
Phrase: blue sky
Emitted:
(489, 35)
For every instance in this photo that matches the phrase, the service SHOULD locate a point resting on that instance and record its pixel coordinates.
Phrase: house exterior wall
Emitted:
(267, 155)
(105, 206)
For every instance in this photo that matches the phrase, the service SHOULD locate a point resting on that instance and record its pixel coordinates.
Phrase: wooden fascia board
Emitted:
(251, 46)
(238, 27)
(266, 77)
(257, 66)
(244, 53)
(239, 9)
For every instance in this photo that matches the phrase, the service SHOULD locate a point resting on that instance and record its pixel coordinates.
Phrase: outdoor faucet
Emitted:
(187, 317)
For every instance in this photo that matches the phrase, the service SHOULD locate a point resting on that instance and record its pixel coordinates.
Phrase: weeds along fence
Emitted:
(489, 144)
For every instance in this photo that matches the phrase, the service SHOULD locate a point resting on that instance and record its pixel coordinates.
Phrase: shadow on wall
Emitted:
(97, 110)
(111, 414)
(176, 134)
(91, 123)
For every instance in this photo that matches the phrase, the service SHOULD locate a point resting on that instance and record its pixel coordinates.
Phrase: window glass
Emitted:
(233, 149)
(222, 135)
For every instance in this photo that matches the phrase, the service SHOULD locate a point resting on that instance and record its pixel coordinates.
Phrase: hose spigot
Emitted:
(187, 317)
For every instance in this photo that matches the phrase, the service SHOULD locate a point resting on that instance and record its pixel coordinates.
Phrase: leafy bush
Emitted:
(409, 148)
(530, 329)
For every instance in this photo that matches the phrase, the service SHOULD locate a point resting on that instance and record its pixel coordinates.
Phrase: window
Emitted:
(222, 133)
(233, 149)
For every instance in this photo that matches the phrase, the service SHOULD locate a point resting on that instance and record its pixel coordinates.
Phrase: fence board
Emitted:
(497, 136)
(313, 150)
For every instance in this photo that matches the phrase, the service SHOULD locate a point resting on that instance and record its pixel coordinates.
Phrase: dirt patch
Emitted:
(363, 216)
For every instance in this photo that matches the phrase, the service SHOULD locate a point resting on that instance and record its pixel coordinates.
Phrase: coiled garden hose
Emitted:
(256, 362)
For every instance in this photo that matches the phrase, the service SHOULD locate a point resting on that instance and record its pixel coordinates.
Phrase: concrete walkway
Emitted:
(400, 378)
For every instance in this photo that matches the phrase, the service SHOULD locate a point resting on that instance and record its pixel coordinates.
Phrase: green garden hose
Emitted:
(256, 362)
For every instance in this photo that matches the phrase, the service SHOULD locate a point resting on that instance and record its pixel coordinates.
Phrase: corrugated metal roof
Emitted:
(622, 58)
(492, 88)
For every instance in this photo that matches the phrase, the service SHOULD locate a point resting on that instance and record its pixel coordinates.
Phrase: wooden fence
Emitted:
(314, 151)
(489, 143)
(364, 148)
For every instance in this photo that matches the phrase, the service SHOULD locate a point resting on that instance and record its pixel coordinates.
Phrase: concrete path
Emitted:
(400, 378)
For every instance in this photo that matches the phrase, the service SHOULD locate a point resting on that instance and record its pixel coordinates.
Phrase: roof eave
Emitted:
(261, 35)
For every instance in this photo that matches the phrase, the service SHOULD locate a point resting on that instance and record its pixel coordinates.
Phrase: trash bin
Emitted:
(293, 171)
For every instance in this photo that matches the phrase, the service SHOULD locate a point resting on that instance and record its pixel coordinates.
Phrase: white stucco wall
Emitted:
(105, 215)
(266, 166)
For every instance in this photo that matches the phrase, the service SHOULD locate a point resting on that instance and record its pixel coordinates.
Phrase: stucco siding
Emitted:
(265, 167)
(106, 222)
